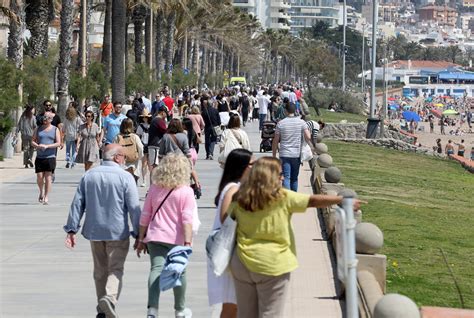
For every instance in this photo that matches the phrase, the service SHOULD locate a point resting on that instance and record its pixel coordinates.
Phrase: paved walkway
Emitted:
(39, 277)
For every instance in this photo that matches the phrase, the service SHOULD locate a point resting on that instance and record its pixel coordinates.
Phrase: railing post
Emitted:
(346, 255)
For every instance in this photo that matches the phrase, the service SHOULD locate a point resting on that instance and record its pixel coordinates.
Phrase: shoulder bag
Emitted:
(217, 130)
(220, 246)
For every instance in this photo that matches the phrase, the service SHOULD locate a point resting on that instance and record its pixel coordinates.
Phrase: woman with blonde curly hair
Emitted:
(265, 252)
(166, 221)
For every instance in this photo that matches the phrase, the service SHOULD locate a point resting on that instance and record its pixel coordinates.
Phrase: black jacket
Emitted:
(211, 117)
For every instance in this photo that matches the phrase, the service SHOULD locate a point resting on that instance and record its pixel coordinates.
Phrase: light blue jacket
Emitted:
(175, 264)
(107, 195)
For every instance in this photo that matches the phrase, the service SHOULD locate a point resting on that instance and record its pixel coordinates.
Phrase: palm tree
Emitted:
(171, 19)
(106, 44)
(39, 14)
(138, 17)
(15, 37)
(119, 16)
(81, 35)
(65, 41)
(158, 42)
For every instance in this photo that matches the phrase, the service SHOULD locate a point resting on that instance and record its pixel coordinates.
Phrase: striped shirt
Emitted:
(313, 129)
(291, 131)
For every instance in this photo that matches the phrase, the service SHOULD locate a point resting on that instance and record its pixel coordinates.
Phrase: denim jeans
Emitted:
(261, 119)
(291, 169)
(158, 252)
(71, 151)
(210, 140)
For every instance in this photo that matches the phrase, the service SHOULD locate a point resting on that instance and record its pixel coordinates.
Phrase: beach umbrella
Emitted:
(392, 98)
(436, 112)
(411, 99)
(439, 105)
(409, 116)
(449, 112)
(428, 100)
(393, 107)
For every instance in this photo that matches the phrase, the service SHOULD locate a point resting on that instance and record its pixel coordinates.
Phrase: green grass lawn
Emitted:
(421, 204)
(333, 117)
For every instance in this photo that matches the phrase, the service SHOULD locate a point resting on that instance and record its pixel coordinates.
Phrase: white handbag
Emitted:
(220, 246)
(306, 153)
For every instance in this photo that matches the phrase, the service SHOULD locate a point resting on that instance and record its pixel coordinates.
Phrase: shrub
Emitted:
(323, 97)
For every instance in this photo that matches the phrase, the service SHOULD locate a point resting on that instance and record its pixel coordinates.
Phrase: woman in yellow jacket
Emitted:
(265, 253)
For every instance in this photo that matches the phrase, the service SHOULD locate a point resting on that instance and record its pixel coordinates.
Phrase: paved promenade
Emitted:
(39, 277)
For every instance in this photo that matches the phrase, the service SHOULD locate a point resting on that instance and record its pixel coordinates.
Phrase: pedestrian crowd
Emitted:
(156, 143)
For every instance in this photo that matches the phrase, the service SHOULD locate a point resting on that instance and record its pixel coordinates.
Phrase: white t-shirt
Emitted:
(263, 102)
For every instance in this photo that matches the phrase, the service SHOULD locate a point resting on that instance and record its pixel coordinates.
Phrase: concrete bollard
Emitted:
(321, 148)
(347, 193)
(396, 306)
(319, 138)
(8, 149)
(325, 160)
(369, 238)
(333, 175)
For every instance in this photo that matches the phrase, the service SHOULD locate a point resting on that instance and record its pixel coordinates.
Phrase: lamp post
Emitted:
(344, 22)
(362, 84)
(374, 57)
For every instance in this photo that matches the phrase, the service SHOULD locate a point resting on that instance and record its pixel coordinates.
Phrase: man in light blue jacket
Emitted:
(107, 195)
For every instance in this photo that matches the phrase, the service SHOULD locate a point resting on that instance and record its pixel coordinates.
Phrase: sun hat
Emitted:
(145, 113)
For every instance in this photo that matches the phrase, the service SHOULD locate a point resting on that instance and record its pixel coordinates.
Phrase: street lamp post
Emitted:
(362, 84)
(344, 22)
(374, 57)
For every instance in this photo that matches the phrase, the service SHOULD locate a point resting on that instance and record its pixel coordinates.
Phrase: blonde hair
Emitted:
(195, 110)
(71, 113)
(174, 170)
(261, 186)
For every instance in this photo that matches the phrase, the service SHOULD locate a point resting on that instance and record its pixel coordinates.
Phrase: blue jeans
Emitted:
(71, 151)
(261, 119)
(291, 169)
(210, 140)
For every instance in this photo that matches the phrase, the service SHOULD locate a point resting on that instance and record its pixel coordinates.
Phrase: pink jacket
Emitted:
(198, 123)
(168, 223)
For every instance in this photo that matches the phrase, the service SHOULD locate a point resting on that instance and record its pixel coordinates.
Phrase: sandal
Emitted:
(40, 199)
(45, 201)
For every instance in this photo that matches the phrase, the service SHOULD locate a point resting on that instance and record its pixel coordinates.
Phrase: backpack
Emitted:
(130, 148)
(145, 135)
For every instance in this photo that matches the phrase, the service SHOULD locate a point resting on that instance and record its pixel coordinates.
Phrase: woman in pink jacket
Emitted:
(166, 221)
(198, 124)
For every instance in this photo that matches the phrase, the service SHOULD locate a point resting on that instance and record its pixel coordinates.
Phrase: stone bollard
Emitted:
(319, 138)
(325, 160)
(333, 175)
(396, 306)
(8, 149)
(321, 148)
(369, 238)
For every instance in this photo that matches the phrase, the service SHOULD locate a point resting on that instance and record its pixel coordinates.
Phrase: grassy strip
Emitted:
(334, 117)
(422, 204)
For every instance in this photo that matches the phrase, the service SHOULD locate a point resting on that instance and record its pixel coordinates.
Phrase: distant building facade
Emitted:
(272, 14)
(306, 13)
(443, 15)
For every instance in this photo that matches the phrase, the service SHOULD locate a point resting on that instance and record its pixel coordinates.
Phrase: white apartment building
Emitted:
(272, 14)
(306, 13)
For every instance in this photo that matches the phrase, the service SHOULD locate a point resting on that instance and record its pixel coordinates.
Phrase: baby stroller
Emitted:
(268, 133)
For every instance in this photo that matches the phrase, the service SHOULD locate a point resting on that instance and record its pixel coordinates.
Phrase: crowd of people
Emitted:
(156, 143)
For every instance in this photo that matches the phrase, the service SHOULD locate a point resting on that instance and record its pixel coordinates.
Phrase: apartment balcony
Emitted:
(280, 4)
(243, 3)
(279, 15)
(279, 26)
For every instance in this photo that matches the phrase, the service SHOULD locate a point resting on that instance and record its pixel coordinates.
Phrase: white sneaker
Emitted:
(186, 313)
(143, 185)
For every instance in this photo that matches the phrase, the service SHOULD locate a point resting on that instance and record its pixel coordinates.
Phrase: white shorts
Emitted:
(153, 155)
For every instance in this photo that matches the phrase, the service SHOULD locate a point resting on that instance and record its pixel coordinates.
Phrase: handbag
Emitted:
(229, 145)
(217, 130)
(306, 153)
(220, 246)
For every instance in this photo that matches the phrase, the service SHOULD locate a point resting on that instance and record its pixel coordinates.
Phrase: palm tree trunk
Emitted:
(127, 39)
(65, 47)
(106, 44)
(202, 71)
(159, 43)
(169, 41)
(87, 19)
(37, 20)
(15, 50)
(148, 24)
(119, 16)
(15, 36)
(195, 56)
(138, 17)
